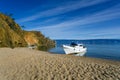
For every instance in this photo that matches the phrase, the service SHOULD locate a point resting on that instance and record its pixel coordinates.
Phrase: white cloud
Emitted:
(105, 15)
(63, 28)
(61, 9)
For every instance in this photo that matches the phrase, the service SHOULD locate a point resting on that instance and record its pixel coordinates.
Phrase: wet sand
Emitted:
(27, 64)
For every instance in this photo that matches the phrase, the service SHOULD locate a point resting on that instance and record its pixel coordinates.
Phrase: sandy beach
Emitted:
(28, 64)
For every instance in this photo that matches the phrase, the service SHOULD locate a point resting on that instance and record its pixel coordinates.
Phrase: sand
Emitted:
(28, 64)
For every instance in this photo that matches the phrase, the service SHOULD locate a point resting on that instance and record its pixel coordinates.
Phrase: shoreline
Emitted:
(116, 60)
(28, 64)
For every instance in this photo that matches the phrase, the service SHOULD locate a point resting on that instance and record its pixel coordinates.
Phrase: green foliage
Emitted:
(11, 34)
(43, 48)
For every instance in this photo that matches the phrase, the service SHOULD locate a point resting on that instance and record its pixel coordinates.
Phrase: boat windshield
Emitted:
(73, 44)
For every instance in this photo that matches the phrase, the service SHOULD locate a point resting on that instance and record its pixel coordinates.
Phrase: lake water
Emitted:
(106, 49)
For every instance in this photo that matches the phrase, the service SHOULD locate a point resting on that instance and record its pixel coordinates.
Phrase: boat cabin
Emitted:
(73, 44)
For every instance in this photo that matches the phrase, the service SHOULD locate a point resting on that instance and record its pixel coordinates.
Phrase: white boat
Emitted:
(75, 49)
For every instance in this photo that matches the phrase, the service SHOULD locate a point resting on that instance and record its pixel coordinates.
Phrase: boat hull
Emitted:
(78, 51)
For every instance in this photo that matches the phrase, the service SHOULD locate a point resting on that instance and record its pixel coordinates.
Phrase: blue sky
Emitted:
(67, 19)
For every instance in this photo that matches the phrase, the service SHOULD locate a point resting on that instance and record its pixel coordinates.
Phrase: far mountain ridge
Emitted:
(88, 39)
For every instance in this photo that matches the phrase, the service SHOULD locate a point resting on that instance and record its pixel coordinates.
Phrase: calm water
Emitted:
(105, 49)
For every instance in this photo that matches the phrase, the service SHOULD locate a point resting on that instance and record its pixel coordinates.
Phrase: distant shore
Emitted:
(28, 64)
